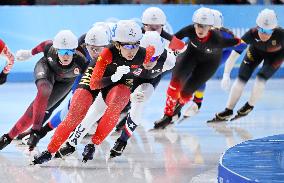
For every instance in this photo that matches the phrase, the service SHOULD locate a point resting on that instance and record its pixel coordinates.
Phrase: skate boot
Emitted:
(192, 110)
(34, 139)
(177, 113)
(65, 151)
(4, 141)
(44, 130)
(118, 148)
(222, 116)
(120, 125)
(88, 153)
(45, 156)
(163, 123)
(22, 135)
(243, 111)
(176, 117)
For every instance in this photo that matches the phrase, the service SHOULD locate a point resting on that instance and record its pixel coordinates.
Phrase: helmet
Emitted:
(65, 39)
(218, 18)
(97, 36)
(267, 19)
(104, 25)
(127, 31)
(203, 16)
(154, 15)
(153, 38)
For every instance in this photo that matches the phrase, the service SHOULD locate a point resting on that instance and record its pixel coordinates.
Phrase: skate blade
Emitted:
(32, 163)
(109, 158)
(237, 117)
(160, 128)
(182, 119)
(215, 120)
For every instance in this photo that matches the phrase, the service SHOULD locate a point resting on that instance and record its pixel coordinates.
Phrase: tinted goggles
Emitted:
(265, 31)
(68, 52)
(129, 46)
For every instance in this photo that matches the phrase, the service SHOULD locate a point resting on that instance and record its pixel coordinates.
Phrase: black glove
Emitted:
(3, 78)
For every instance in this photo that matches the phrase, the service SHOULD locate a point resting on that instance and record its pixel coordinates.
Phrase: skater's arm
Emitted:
(22, 55)
(225, 42)
(231, 62)
(228, 34)
(166, 35)
(41, 47)
(187, 31)
(170, 62)
(97, 79)
(4, 51)
(176, 42)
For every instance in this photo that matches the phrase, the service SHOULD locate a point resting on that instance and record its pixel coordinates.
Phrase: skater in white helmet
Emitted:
(54, 74)
(112, 75)
(266, 44)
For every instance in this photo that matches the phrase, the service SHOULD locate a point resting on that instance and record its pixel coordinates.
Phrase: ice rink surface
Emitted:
(182, 153)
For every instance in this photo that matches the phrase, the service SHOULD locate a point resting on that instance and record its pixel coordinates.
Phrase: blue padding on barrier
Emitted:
(21, 77)
(260, 160)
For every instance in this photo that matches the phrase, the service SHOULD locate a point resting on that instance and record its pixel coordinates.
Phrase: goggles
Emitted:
(154, 59)
(130, 46)
(265, 31)
(68, 52)
(96, 49)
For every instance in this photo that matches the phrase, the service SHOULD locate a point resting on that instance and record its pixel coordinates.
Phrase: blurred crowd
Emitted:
(83, 2)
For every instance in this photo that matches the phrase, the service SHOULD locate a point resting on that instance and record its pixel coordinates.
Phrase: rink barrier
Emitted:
(259, 160)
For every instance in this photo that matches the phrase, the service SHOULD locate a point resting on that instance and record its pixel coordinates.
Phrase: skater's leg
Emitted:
(116, 100)
(80, 104)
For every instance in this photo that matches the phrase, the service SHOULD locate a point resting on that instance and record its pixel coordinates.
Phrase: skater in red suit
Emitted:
(113, 76)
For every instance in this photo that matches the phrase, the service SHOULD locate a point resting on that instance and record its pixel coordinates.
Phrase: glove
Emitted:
(226, 82)
(176, 44)
(137, 97)
(22, 55)
(120, 71)
(177, 52)
(3, 77)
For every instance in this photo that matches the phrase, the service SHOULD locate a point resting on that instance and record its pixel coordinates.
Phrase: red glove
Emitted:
(176, 44)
